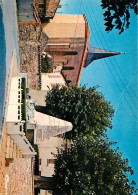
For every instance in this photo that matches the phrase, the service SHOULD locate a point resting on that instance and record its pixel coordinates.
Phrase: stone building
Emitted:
(48, 135)
(47, 8)
(32, 41)
(69, 45)
(69, 38)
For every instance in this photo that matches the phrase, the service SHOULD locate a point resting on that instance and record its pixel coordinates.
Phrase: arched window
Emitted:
(71, 52)
(69, 81)
(68, 68)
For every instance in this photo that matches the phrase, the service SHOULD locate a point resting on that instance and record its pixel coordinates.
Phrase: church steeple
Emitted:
(97, 53)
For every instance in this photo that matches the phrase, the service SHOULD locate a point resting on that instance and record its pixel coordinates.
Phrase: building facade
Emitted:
(46, 8)
(69, 38)
(69, 45)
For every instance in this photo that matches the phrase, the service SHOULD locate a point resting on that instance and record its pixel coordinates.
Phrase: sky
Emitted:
(116, 76)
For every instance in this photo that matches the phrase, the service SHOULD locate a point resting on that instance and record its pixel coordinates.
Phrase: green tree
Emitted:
(91, 166)
(45, 64)
(117, 13)
(87, 109)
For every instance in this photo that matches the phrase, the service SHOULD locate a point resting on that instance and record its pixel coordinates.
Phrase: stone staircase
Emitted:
(12, 150)
(19, 170)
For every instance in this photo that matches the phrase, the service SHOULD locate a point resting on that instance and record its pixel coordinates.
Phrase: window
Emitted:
(50, 161)
(71, 52)
(39, 161)
(18, 117)
(69, 81)
(68, 68)
(41, 5)
(20, 127)
(19, 86)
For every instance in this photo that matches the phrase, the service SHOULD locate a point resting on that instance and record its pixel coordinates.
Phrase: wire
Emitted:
(121, 90)
(114, 59)
(114, 68)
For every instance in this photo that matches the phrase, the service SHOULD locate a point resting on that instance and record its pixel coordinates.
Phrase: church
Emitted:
(69, 45)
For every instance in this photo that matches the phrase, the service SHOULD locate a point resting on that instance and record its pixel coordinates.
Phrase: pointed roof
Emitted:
(49, 126)
(97, 53)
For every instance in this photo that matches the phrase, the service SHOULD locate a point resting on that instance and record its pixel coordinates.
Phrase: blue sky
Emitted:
(115, 76)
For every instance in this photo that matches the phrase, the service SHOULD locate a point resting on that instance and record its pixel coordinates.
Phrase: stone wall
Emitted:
(51, 7)
(8, 152)
(2, 160)
(43, 41)
(19, 177)
(31, 40)
(29, 32)
(47, 8)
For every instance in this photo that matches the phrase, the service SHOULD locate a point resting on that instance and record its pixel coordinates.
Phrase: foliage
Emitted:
(91, 166)
(45, 64)
(117, 13)
(23, 86)
(87, 109)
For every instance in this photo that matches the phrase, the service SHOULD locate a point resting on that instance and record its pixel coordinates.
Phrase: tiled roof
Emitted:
(49, 126)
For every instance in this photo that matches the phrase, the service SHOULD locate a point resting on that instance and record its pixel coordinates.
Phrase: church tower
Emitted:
(97, 53)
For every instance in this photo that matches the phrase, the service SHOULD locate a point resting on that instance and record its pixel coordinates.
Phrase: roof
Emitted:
(25, 10)
(49, 126)
(97, 53)
(51, 7)
(38, 96)
(23, 144)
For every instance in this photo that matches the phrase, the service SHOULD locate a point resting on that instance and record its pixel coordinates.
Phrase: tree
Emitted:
(91, 166)
(117, 13)
(45, 64)
(86, 109)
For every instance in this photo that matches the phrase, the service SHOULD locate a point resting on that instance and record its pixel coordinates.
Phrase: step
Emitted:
(17, 152)
(11, 149)
(8, 147)
(14, 150)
